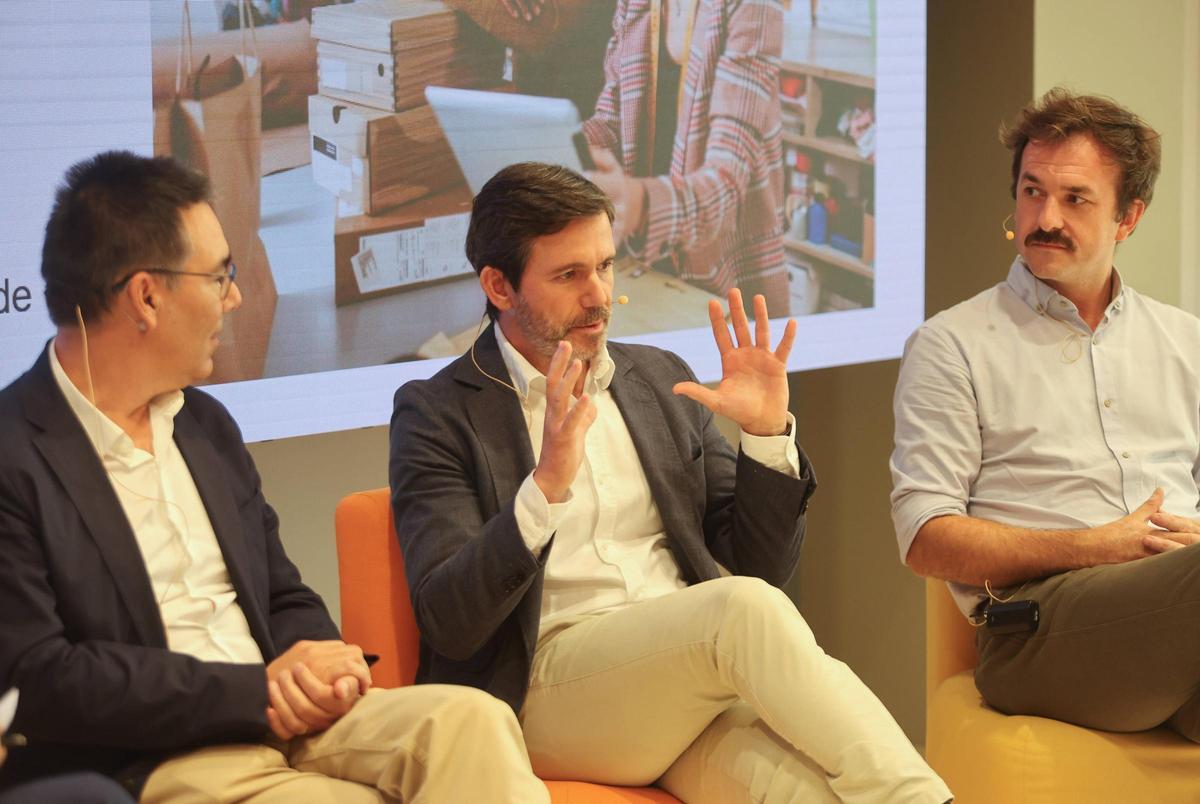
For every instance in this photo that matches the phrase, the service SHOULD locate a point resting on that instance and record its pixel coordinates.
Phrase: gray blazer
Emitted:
(459, 452)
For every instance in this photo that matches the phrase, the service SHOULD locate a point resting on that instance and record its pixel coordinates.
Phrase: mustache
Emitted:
(591, 316)
(1053, 238)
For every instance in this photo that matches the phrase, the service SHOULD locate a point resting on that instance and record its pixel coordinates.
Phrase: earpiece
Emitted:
(1009, 234)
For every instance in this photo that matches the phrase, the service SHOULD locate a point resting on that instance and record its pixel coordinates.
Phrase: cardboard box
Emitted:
(374, 160)
(352, 265)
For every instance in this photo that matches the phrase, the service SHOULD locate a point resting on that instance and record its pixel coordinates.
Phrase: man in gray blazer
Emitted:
(565, 507)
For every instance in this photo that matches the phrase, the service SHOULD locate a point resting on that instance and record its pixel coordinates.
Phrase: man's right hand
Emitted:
(565, 427)
(312, 684)
(1126, 539)
(523, 9)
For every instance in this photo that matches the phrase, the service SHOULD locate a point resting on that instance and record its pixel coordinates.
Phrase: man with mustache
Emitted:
(565, 506)
(1048, 443)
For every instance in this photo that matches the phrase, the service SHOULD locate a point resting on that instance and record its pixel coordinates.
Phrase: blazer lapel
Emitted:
(496, 416)
(209, 473)
(71, 456)
(647, 424)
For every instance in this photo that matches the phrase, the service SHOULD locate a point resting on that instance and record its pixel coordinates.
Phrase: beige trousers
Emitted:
(717, 693)
(429, 744)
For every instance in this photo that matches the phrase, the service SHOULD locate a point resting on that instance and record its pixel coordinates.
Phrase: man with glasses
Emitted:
(149, 617)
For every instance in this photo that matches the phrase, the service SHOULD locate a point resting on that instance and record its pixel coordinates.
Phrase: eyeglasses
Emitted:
(224, 281)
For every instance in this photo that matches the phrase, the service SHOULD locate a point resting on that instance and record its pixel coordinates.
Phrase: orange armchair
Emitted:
(377, 614)
(986, 756)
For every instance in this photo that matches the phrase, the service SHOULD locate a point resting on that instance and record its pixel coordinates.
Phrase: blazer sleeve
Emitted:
(467, 570)
(754, 516)
(81, 690)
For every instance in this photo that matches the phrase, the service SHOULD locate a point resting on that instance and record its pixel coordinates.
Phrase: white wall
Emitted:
(304, 478)
(1141, 55)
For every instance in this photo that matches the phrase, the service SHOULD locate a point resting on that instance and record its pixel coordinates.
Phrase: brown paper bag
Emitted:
(213, 125)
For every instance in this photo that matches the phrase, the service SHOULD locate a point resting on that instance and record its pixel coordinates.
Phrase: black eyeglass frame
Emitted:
(225, 280)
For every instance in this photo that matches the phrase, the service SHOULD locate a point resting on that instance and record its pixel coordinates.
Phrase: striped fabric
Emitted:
(718, 214)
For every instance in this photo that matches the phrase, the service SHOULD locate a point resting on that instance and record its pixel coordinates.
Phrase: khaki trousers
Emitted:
(429, 744)
(717, 693)
(1116, 648)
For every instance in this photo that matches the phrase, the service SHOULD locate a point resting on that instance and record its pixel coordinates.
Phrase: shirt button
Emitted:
(1096, 340)
(1125, 454)
(1108, 403)
(1062, 303)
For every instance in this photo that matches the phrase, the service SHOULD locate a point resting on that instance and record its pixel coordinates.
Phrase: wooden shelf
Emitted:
(830, 256)
(840, 57)
(829, 145)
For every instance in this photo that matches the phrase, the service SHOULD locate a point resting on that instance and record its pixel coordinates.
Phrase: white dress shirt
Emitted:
(196, 598)
(610, 548)
(1010, 409)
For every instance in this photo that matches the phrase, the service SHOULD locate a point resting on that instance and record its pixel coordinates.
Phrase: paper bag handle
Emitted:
(185, 46)
(245, 19)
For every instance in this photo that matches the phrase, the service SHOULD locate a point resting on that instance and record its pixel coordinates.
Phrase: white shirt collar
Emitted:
(1043, 298)
(530, 382)
(108, 439)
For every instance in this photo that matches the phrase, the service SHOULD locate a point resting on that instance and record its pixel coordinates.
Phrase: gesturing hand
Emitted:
(565, 427)
(753, 391)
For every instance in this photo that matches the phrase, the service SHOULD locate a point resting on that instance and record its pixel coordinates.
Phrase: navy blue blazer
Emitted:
(460, 451)
(80, 629)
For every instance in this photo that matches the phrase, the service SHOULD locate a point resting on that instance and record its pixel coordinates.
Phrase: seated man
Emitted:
(581, 586)
(148, 613)
(1048, 442)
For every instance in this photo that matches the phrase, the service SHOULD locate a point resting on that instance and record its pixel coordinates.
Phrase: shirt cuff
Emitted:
(537, 518)
(775, 452)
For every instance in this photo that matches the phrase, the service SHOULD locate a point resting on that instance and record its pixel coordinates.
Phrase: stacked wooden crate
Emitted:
(376, 143)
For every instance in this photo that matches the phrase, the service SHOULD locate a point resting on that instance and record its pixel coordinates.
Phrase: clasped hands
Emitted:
(312, 684)
(1145, 531)
(753, 391)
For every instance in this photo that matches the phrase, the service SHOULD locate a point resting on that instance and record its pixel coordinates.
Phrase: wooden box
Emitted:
(373, 160)
(383, 53)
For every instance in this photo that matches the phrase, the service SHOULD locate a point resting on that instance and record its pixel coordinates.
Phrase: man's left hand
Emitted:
(1177, 532)
(754, 390)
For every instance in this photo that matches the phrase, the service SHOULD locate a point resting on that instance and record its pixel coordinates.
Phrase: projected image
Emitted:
(745, 143)
(737, 141)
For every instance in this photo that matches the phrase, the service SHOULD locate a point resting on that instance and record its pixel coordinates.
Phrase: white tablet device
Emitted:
(491, 130)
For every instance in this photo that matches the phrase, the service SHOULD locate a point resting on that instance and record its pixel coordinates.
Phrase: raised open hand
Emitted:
(754, 389)
(565, 429)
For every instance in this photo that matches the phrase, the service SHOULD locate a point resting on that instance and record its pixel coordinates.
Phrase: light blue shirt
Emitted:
(1010, 409)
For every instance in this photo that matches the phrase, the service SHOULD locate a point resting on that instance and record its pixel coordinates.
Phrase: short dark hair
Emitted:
(523, 202)
(1060, 113)
(114, 213)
